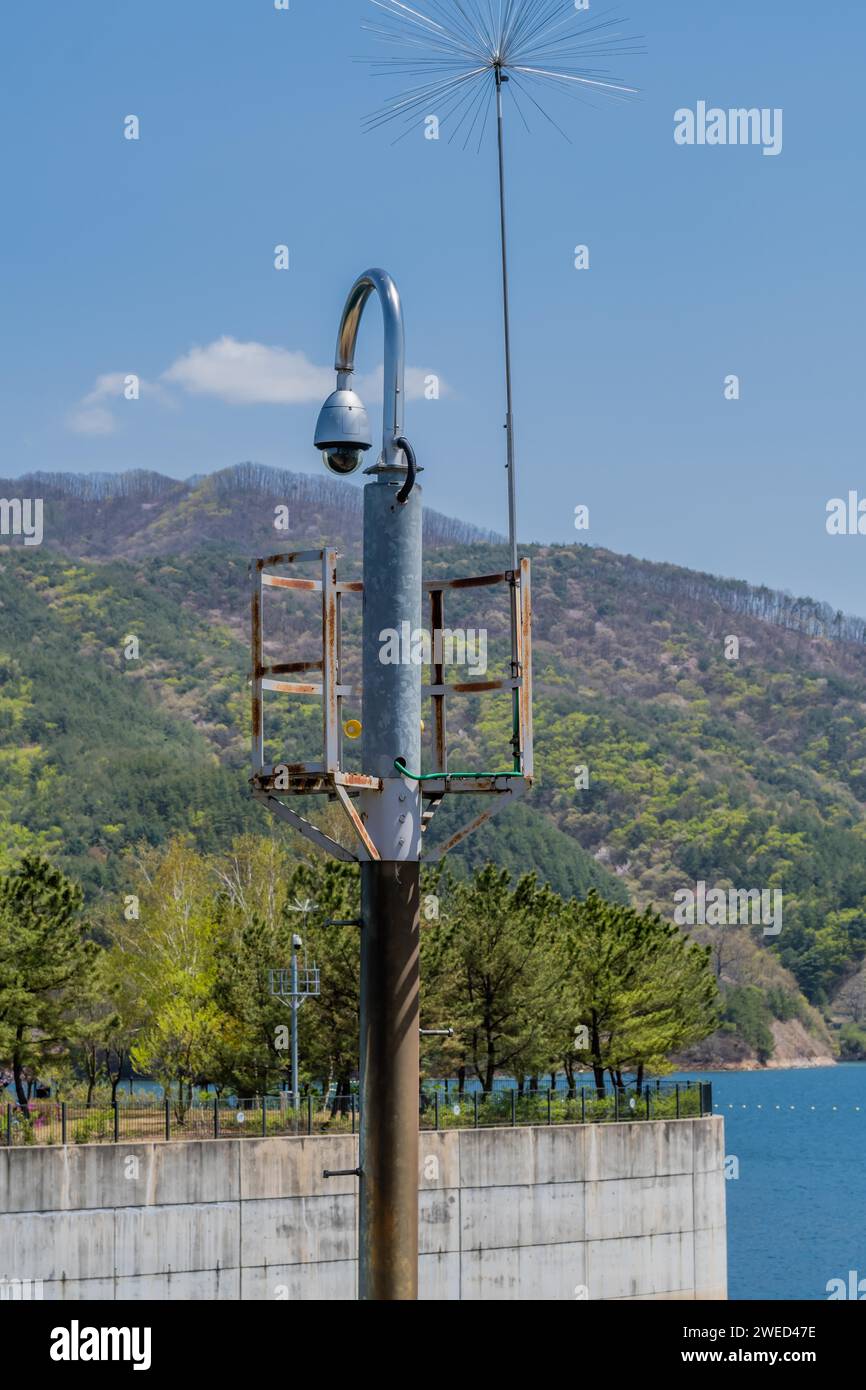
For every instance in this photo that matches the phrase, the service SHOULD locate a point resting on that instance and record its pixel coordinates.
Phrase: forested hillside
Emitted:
(746, 772)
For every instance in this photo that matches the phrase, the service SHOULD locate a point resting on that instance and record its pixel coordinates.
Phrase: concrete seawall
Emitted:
(608, 1211)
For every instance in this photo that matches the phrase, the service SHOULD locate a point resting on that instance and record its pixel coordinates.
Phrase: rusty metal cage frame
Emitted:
(269, 781)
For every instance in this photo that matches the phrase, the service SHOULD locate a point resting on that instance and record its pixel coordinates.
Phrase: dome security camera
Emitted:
(343, 432)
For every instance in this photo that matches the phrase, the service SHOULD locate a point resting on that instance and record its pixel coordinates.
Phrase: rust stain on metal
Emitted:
(256, 637)
(330, 662)
(469, 687)
(472, 582)
(288, 558)
(278, 581)
(437, 623)
(292, 688)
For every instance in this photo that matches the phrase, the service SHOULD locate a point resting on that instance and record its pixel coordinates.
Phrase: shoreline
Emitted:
(800, 1064)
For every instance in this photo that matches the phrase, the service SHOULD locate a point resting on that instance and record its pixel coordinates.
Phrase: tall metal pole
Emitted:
(509, 417)
(390, 976)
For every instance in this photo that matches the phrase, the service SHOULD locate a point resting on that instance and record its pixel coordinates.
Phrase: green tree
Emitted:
(169, 956)
(637, 990)
(746, 1011)
(45, 960)
(329, 1025)
(95, 1024)
(253, 937)
(494, 970)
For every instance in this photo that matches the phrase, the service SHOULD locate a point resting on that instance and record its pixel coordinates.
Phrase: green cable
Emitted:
(436, 776)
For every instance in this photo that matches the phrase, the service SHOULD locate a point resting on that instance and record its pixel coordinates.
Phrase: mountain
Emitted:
(744, 771)
(136, 514)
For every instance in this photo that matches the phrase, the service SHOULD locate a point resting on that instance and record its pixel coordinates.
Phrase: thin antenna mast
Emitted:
(455, 47)
(506, 315)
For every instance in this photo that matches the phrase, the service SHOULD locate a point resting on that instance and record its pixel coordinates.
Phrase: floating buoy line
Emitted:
(744, 1105)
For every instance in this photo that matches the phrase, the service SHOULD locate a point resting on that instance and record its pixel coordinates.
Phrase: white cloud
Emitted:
(253, 374)
(239, 374)
(92, 416)
(91, 420)
(250, 374)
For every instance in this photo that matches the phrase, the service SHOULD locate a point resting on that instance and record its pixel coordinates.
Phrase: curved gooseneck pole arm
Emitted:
(392, 313)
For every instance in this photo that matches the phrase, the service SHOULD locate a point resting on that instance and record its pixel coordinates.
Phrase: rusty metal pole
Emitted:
(388, 1219)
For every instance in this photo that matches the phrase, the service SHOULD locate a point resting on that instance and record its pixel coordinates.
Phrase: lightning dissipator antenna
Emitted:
(459, 58)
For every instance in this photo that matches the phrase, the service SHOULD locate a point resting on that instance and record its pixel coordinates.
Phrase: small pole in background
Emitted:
(63, 1122)
(294, 991)
(436, 1110)
(116, 1108)
(583, 1105)
(296, 1094)
(648, 1103)
(475, 1100)
(353, 1112)
(615, 1101)
(216, 1117)
(514, 1107)
(309, 1114)
(549, 1105)
(264, 1117)
(9, 1124)
(167, 1118)
(678, 1099)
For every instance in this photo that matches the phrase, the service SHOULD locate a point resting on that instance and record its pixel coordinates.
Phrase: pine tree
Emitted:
(638, 987)
(45, 960)
(491, 954)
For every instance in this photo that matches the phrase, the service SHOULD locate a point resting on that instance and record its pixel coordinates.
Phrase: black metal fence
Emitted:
(60, 1122)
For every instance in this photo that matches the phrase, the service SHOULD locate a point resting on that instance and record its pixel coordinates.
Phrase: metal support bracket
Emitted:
(306, 827)
(359, 827)
(505, 798)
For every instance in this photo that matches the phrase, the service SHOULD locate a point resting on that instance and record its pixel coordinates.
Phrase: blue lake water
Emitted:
(797, 1211)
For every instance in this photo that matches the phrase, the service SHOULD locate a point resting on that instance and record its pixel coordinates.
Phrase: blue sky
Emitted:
(145, 256)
